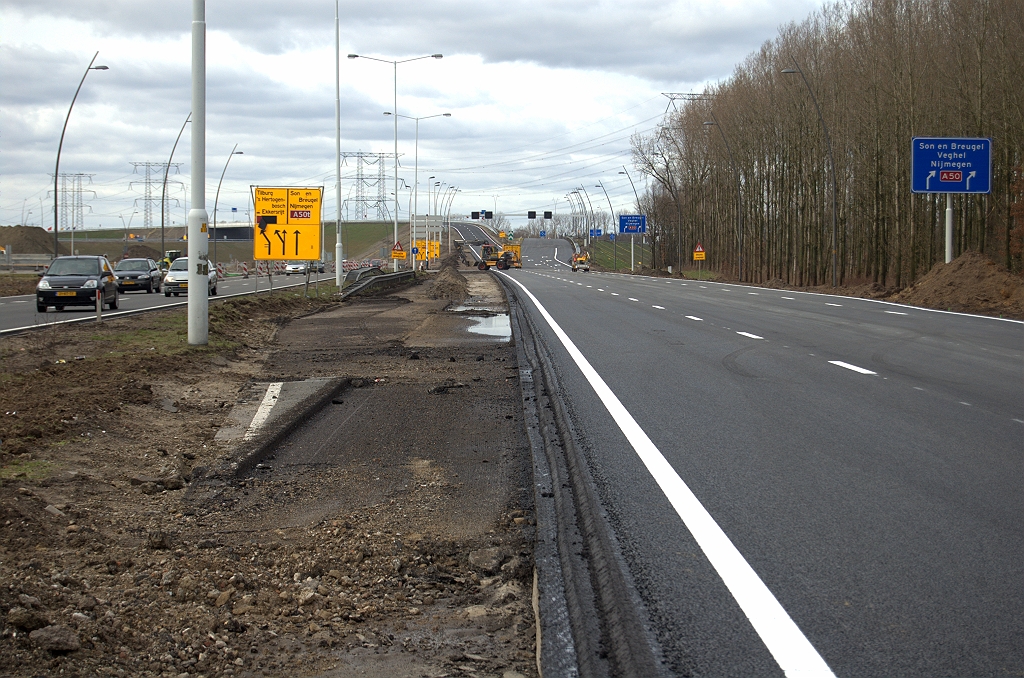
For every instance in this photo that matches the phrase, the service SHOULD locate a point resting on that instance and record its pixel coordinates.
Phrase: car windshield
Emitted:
(180, 264)
(132, 265)
(74, 267)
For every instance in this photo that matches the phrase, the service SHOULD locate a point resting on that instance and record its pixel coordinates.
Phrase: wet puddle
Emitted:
(496, 326)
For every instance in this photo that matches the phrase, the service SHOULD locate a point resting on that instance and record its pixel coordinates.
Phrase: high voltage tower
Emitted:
(364, 203)
(72, 209)
(154, 174)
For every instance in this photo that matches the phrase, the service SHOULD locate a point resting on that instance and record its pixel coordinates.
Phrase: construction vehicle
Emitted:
(502, 257)
(581, 261)
(169, 257)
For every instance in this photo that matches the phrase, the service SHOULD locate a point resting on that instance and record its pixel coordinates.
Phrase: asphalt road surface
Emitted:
(20, 311)
(800, 483)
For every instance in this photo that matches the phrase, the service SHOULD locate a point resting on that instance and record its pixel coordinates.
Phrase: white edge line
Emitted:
(260, 418)
(787, 643)
(848, 366)
(748, 334)
(693, 317)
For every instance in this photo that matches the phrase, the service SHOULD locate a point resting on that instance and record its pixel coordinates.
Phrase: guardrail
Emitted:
(378, 281)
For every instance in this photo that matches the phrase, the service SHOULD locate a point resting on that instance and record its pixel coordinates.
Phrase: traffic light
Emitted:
(547, 215)
(476, 215)
(488, 214)
(531, 215)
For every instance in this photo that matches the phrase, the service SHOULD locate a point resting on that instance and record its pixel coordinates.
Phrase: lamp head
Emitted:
(388, 113)
(353, 56)
(447, 115)
(99, 68)
(437, 56)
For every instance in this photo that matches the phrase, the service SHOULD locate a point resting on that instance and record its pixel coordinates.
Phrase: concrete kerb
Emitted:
(249, 454)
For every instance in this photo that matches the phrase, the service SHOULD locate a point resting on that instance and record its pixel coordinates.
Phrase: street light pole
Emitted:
(163, 193)
(198, 218)
(339, 274)
(593, 218)
(832, 163)
(216, 199)
(60, 146)
(600, 184)
(739, 194)
(395, 64)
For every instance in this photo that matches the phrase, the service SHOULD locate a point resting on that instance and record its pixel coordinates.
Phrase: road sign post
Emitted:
(632, 224)
(950, 165)
(287, 223)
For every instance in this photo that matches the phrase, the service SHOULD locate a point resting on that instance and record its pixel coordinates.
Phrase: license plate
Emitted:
(67, 294)
(183, 285)
(128, 282)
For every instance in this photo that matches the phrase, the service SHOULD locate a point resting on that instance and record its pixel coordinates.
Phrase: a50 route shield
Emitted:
(287, 223)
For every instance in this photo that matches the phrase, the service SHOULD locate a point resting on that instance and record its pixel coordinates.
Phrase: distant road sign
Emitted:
(951, 165)
(287, 223)
(595, 233)
(611, 236)
(632, 223)
(543, 234)
(698, 253)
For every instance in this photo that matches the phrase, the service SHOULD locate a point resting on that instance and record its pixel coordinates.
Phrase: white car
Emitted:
(176, 280)
(299, 267)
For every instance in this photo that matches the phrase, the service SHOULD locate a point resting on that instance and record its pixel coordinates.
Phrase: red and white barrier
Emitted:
(220, 271)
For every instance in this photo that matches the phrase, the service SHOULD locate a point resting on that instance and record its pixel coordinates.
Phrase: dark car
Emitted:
(74, 281)
(138, 274)
(176, 280)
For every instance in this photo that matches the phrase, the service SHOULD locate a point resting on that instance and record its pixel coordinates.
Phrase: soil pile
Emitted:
(971, 283)
(142, 252)
(449, 283)
(29, 240)
(12, 285)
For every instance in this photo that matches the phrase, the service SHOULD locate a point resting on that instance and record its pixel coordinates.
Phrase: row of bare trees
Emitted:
(747, 161)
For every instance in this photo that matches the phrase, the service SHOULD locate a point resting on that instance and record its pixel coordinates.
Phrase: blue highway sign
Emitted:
(543, 234)
(951, 165)
(595, 233)
(632, 223)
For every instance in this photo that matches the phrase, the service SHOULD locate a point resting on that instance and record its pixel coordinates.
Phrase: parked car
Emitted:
(176, 280)
(138, 274)
(74, 281)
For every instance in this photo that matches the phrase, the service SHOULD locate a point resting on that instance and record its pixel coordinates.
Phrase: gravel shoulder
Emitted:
(389, 535)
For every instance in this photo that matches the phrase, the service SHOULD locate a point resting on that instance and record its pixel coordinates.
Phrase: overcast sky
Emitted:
(543, 96)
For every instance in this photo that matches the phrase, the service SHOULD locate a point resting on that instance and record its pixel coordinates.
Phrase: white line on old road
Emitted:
(780, 634)
(895, 312)
(693, 317)
(748, 334)
(260, 418)
(660, 308)
(790, 298)
(828, 303)
(848, 366)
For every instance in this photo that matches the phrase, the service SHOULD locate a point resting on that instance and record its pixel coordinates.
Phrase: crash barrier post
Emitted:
(99, 305)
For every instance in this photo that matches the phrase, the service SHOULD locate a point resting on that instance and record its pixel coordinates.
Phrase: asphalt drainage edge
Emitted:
(626, 643)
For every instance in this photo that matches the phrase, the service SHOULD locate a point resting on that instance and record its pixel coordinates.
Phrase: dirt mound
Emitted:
(971, 283)
(449, 283)
(142, 251)
(29, 240)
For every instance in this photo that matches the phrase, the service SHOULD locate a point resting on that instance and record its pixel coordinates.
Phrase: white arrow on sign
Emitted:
(928, 181)
(969, 177)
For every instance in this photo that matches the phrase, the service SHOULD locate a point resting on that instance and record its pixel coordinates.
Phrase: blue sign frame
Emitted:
(950, 165)
(595, 233)
(632, 223)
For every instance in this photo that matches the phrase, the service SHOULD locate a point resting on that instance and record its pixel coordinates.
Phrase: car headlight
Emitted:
(90, 284)
(44, 284)
(144, 277)
(169, 278)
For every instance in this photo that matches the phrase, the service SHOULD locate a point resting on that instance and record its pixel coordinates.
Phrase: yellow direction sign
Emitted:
(287, 223)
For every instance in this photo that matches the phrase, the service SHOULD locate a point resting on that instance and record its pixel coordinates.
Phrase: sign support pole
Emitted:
(632, 256)
(339, 274)
(198, 235)
(949, 227)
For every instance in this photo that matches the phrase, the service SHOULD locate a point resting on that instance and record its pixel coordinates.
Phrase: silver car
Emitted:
(176, 280)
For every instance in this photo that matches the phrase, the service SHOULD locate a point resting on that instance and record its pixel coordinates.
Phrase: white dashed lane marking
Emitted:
(661, 308)
(848, 366)
(693, 317)
(748, 334)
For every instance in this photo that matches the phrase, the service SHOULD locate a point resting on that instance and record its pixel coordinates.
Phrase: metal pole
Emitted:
(395, 63)
(949, 227)
(415, 191)
(163, 193)
(600, 184)
(198, 235)
(216, 199)
(338, 273)
(60, 146)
